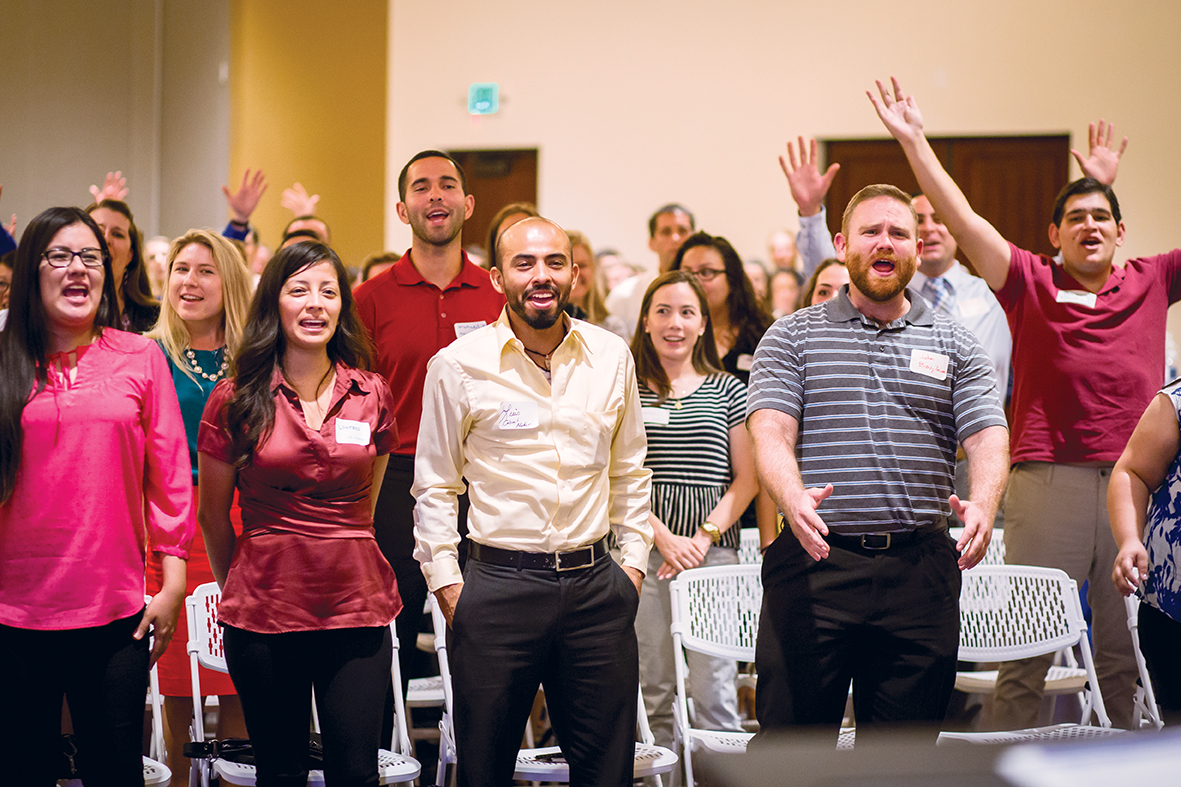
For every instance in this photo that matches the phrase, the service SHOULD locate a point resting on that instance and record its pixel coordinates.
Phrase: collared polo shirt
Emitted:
(880, 408)
(551, 466)
(1085, 365)
(410, 319)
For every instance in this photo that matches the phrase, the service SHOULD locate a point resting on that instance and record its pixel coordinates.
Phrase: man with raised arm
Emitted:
(856, 407)
(1088, 356)
(538, 415)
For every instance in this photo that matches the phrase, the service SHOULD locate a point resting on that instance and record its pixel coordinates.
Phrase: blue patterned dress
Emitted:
(1162, 535)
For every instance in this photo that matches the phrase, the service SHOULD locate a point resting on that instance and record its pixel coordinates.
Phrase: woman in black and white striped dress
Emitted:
(703, 477)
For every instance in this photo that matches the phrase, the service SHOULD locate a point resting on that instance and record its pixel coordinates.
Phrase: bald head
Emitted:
(531, 235)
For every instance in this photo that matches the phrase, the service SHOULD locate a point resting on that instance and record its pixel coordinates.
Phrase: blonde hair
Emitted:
(170, 330)
(596, 305)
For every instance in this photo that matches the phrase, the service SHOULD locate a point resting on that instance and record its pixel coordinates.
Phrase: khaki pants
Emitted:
(1056, 516)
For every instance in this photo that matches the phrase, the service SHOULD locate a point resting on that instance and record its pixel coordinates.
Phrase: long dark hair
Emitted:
(25, 340)
(649, 370)
(139, 305)
(249, 415)
(747, 313)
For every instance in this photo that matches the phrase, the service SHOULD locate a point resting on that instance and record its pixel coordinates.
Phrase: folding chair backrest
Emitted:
(749, 552)
(204, 631)
(716, 610)
(1013, 612)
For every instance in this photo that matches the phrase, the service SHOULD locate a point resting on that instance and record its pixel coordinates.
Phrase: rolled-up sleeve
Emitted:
(168, 474)
(630, 481)
(438, 473)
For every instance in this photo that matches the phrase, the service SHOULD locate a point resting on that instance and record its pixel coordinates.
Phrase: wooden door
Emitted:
(495, 178)
(1011, 181)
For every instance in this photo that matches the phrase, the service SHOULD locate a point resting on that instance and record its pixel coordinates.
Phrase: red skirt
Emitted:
(173, 667)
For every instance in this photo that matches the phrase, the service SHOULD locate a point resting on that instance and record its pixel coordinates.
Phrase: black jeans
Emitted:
(571, 632)
(1160, 642)
(887, 620)
(103, 674)
(349, 669)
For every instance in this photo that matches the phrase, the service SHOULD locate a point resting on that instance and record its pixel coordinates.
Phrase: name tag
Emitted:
(517, 415)
(464, 328)
(973, 307)
(1077, 297)
(352, 432)
(655, 415)
(929, 364)
(744, 362)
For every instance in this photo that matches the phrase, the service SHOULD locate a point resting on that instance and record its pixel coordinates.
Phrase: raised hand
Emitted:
(114, 187)
(1102, 162)
(807, 525)
(243, 201)
(297, 200)
(898, 112)
(808, 186)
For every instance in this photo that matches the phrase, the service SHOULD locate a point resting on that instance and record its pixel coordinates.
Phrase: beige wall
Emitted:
(634, 104)
(308, 91)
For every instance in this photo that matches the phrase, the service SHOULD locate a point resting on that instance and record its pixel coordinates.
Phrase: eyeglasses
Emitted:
(62, 257)
(706, 274)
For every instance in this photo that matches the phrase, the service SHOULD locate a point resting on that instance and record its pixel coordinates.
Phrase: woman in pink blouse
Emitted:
(92, 460)
(303, 431)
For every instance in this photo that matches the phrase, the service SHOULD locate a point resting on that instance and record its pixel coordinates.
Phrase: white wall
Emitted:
(131, 85)
(637, 103)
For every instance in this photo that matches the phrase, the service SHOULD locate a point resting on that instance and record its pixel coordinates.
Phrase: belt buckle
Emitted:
(878, 535)
(559, 557)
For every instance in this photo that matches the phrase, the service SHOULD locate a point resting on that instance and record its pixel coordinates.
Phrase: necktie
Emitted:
(938, 292)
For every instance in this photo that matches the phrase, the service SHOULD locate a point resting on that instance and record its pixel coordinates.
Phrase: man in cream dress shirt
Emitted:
(540, 415)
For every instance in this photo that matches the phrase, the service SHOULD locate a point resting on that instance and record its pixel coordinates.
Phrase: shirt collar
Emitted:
(505, 336)
(347, 381)
(951, 276)
(407, 275)
(841, 309)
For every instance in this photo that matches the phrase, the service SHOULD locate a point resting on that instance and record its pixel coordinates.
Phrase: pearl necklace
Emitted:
(217, 375)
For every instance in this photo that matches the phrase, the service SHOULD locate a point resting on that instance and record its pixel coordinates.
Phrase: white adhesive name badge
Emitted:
(517, 415)
(1078, 297)
(744, 362)
(655, 415)
(929, 364)
(352, 432)
(464, 328)
(973, 307)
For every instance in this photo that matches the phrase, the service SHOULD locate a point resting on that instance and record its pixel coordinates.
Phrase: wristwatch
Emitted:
(712, 531)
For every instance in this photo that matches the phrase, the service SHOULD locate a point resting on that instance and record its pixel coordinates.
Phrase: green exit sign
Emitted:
(483, 98)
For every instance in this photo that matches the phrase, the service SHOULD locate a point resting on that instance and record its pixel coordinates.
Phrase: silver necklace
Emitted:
(215, 376)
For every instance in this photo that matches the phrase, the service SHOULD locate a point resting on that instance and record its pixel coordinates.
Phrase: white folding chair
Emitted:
(1145, 708)
(394, 766)
(538, 765)
(1013, 612)
(750, 552)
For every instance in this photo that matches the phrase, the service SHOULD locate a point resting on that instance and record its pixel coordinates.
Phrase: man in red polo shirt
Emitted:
(430, 297)
(1088, 356)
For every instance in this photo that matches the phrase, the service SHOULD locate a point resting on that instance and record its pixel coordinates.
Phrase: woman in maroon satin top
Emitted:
(303, 430)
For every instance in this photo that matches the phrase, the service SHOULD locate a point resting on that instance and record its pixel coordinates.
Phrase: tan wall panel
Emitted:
(307, 104)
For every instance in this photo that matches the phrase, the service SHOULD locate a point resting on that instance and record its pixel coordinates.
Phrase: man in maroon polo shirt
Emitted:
(430, 297)
(1088, 356)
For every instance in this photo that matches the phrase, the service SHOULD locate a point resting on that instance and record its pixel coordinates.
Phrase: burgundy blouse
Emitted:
(307, 558)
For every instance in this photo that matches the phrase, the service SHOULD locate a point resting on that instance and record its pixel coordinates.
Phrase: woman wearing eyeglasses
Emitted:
(92, 458)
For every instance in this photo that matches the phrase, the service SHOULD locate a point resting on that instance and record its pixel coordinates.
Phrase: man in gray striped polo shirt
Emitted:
(856, 407)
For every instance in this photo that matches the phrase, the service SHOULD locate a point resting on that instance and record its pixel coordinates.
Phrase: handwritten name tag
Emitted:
(517, 415)
(464, 328)
(744, 362)
(1077, 297)
(352, 432)
(929, 364)
(655, 415)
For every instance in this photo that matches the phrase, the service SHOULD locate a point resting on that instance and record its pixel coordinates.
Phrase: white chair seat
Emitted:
(649, 761)
(720, 742)
(391, 769)
(425, 692)
(156, 772)
(1056, 732)
(1059, 680)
